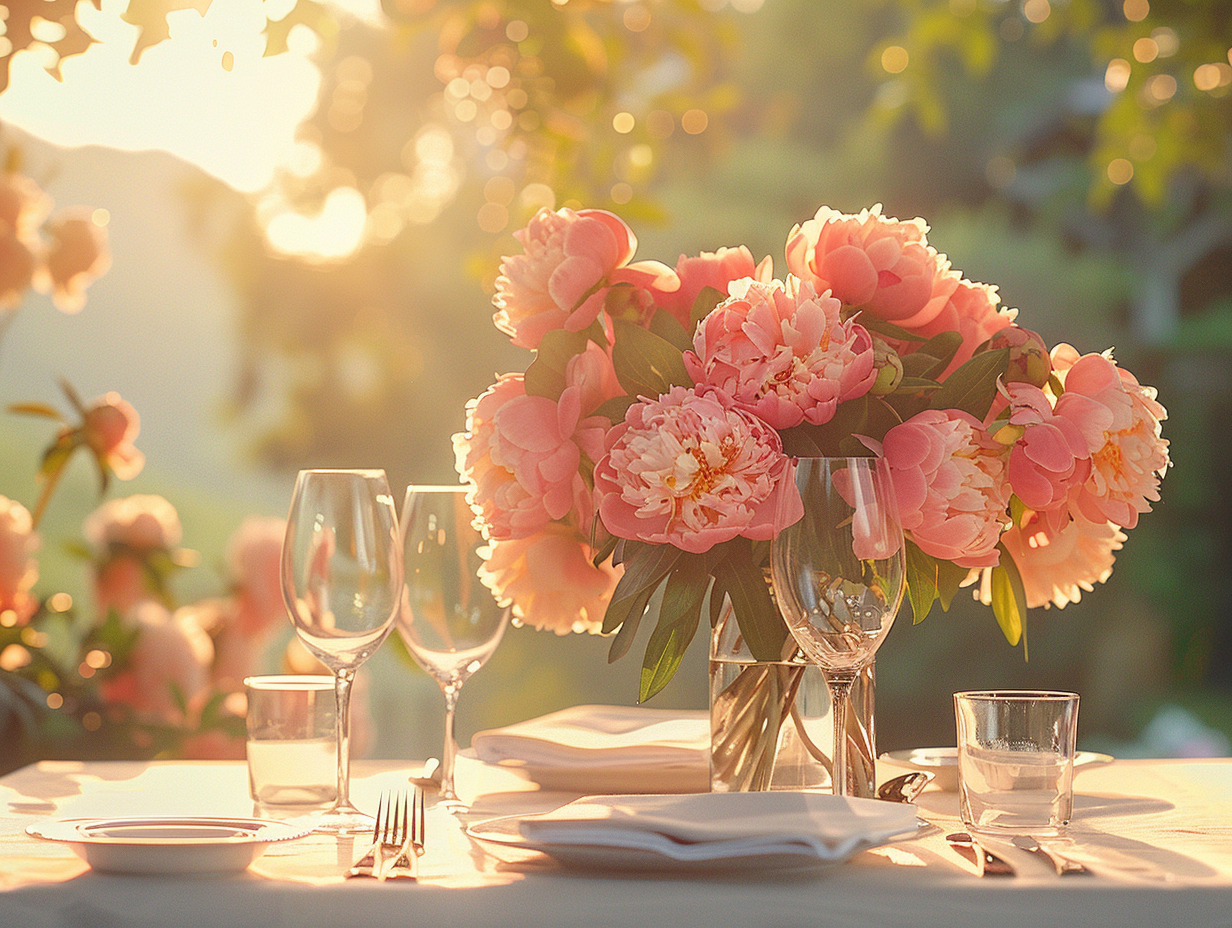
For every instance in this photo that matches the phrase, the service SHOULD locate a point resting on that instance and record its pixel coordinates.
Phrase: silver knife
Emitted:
(986, 862)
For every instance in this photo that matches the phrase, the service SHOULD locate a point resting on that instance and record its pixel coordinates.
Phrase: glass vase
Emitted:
(770, 723)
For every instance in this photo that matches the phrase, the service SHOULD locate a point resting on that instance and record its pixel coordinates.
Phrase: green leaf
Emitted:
(546, 374)
(888, 329)
(668, 328)
(973, 386)
(916, 384)
(949, 579)
(646, 364)
(1009, 600)
(760, 624)
(645, 566)
(703, 304)
(921, 581)
(635, 609)
(679, 616)
(941, 348)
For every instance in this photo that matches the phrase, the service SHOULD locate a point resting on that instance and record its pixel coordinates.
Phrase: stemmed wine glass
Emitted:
(341, 580)
(449, 620)
(839, 574)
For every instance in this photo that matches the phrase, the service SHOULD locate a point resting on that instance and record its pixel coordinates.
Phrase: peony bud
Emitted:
(1029, 362)
(889, 368)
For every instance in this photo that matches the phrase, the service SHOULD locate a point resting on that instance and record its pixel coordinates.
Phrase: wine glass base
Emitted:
(344, 822)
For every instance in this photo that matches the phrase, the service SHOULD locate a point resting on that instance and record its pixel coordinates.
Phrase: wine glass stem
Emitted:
(342, 693)
(840, 694)
(449, 752)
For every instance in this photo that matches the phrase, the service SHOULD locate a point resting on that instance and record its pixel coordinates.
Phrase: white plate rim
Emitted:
(245, 830)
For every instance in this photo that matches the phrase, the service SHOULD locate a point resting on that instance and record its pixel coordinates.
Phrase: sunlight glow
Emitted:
(336, 232)
(208, 94)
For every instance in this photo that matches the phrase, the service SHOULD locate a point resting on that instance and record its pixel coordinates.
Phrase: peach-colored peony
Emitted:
(715, 269)
(1056, 566)
(1048, 457)
(77, 256)
(882, 265)
(123, 534)
(949, 478)
(782, 352)
(109, 428)
(521, 453)
(550, 582)
(570, 259)
(18, 569)
(254, 559)
(17, 264)
(973, 311)
(171, 651)
(692, 469)
(1121, 420)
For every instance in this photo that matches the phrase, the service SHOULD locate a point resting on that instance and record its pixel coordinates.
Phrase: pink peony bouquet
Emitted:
(637, 464)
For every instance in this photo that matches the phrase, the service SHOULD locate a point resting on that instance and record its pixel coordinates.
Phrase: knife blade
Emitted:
(1065, 866)
(986, 862)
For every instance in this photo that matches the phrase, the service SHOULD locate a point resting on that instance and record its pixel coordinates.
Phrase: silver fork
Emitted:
(388, 836)
(406, 864)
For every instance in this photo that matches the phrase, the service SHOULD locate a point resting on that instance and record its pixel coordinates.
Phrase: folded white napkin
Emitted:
(597, 749)
(716, 826)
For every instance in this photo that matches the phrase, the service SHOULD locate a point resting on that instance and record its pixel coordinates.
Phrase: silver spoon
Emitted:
(905, 787)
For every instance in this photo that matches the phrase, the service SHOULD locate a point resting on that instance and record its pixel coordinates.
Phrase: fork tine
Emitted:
(380, 817)
(417, 827)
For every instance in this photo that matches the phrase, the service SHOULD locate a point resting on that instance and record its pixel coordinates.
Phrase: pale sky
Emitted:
(236, 124)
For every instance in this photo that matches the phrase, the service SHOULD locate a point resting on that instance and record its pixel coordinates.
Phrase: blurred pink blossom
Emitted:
(550, 581)
(77, 256)
(716, 269)
(124, 534)
(884, 266)
(949, 479)
(23, 205)
(693, 470)
(1056, 566)
(109, 428)
(17, 264)
(561, 280)
(18, 568)
(254, 559)
(1121, 420)
(782, 352)
(171, 651)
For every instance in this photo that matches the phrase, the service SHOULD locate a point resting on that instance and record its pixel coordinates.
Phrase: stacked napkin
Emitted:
(808, 827)
(605, 749)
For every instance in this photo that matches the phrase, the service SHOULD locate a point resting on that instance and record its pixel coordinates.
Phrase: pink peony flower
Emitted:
(254, 559)
(18, 569)
(949, 478)
(782, 352)
(1121, 420)
(882, 265)
(692, 469)
(972, 310)
(550, 581)
(171, 651)
(77, 256)
(1049, 456)
(570, 259)
(715, 269)
(521, 455)
(1056, 566)
(109, 428)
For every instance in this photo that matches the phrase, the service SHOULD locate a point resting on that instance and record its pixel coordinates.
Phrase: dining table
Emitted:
(1158, 833)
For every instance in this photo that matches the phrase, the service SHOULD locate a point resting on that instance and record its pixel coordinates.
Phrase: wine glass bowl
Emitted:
(839, 573)
(341, 582)
(450, 622)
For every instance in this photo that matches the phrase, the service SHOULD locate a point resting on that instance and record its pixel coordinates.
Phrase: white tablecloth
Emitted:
(1173, 817)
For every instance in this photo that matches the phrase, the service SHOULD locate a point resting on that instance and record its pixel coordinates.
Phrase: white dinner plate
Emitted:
(167, 844)
(943, 762)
